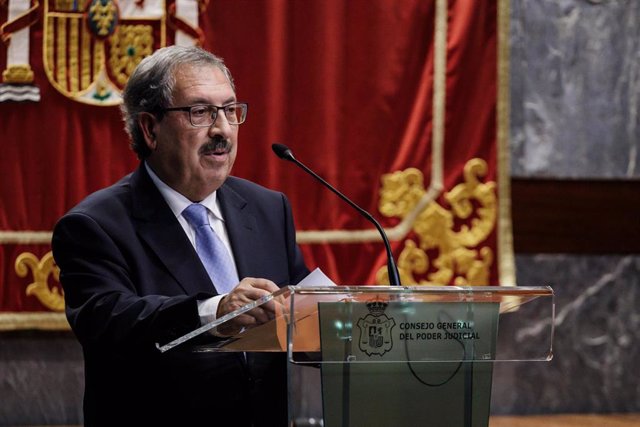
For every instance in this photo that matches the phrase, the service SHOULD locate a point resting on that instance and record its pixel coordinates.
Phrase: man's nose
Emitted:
(221, 126)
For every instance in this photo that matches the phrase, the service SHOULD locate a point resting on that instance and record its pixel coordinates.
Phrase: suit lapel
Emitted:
(159, 228)
(242, 228)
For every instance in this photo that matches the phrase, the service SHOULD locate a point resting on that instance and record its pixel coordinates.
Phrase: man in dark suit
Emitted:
(133, 272)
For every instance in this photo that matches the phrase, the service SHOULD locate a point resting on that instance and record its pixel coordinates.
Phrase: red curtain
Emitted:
(347, 85)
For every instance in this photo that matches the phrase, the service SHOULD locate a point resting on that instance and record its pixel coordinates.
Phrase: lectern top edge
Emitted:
(530, 291)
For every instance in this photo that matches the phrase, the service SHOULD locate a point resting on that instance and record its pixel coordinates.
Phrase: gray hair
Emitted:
(150, 87)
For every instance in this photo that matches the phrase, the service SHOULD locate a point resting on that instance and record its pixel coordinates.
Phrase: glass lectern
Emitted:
(363, 356)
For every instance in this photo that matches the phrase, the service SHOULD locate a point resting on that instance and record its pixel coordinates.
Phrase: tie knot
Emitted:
(196, 214)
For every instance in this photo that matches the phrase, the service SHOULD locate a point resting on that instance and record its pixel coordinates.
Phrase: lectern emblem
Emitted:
(375, 330)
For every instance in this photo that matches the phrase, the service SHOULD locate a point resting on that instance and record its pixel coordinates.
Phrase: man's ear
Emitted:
(147, 123)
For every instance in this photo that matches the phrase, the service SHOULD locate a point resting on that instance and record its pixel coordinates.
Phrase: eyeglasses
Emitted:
(205, 115)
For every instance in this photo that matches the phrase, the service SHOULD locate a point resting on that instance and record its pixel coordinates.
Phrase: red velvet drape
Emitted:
(346, 84)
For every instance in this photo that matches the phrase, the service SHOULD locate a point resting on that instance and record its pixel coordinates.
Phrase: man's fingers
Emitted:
(260, 315)
(249, 290)
(264, 284)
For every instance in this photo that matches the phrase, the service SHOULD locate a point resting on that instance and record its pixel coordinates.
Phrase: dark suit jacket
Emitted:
(132, 278)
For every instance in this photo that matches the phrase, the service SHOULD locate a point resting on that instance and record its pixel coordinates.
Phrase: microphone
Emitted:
(285, 153)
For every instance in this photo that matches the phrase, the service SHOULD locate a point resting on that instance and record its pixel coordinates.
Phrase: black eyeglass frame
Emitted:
(214, 112)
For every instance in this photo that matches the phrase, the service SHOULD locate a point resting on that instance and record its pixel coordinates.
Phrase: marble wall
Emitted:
(596, 345)
(41, 378)
(575, 88)
(575, 95)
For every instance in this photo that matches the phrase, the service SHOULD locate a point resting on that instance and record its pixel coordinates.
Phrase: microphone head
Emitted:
(282, 151)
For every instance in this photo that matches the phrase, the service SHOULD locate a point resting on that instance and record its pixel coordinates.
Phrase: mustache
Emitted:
(217, 144)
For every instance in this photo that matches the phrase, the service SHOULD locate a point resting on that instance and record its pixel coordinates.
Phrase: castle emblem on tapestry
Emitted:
(90, 47)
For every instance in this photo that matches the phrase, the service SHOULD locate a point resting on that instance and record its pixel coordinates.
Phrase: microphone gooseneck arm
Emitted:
(285, 153)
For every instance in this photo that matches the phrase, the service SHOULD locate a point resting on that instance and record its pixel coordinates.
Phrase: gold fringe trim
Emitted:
(439, 94)
(397, 233)
(506, 262)
(25, 237)
(32, 320)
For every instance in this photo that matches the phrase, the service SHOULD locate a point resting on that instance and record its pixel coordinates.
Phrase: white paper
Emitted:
(316, 278)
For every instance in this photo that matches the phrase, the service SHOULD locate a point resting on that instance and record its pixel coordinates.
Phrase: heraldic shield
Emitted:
(90, 49)
(375, 330)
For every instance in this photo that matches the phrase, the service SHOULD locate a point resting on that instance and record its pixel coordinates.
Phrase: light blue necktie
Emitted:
(212, 251)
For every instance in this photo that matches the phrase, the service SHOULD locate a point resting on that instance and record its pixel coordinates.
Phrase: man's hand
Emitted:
(247, 291)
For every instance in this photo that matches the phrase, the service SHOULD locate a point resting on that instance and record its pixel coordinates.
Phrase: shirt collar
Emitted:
(177, 202)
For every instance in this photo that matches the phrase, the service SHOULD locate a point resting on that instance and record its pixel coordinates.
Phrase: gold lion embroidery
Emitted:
(448, 250)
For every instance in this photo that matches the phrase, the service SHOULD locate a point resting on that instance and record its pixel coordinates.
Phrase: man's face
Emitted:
(195, 161)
